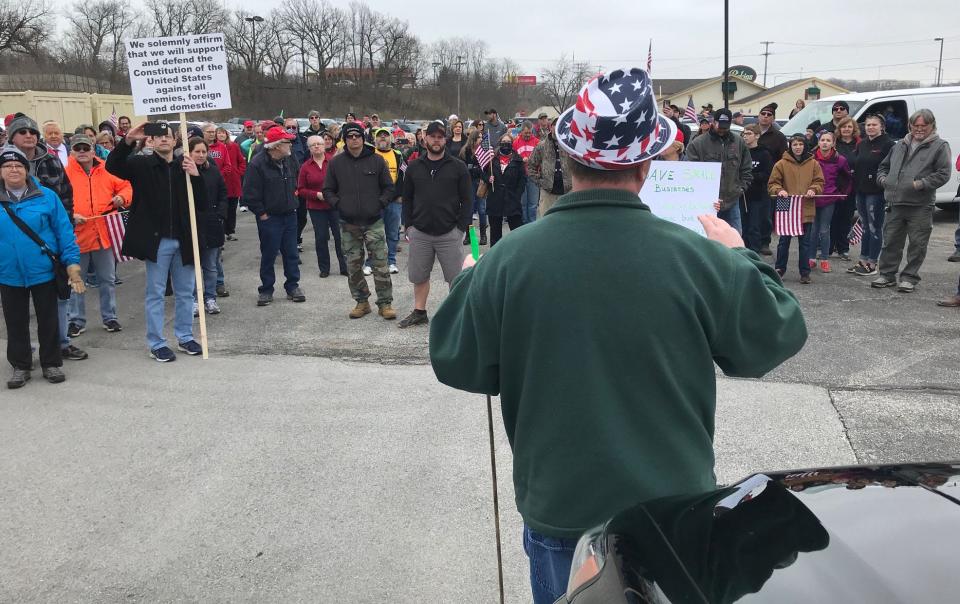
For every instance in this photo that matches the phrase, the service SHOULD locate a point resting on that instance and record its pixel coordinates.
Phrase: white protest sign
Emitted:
(178, 74)
(679, 191)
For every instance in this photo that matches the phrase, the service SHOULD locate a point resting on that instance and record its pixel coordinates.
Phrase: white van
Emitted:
(943, 102)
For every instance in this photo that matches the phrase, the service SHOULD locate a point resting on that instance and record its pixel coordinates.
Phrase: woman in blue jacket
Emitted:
(25, 270)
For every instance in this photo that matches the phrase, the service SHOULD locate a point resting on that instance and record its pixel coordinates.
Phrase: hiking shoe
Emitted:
(74, 329)
(211, 307)
(367, 271)
(222, 291)
(54, 375)
(72, 353)
(952, 302)
(865, 270)
(393, 269)
(805, 279)
(417, 317)
(296, 294)
(19, 379)
(163, 355)
(882, 282)
(112, 326)
(362, 308)
(190, 347)
(906, 287)
(825, 266)
(954, 257)
(196, 310)
(324, 274)
(264, 299)
(387, 312)
(765, 251)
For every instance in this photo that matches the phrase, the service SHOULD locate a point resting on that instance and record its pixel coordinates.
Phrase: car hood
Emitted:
(847, 534)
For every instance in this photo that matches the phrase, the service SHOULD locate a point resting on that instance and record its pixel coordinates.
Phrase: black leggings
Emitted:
(230, 226)
(496, 226)
(301, 219)
(16, 313)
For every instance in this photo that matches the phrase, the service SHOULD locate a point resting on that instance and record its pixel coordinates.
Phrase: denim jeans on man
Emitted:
(732, 217)
(326, 222)
(209, 264)
(530, 200)
(820, 237)
(392, 215)
(278, 235)
(758, 212)
(105, 265)
(63, 309)
(169, 262)
(783, 250)
(550, 560)
(870, 208)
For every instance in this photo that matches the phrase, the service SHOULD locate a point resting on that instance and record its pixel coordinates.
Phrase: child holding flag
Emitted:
(795, 181)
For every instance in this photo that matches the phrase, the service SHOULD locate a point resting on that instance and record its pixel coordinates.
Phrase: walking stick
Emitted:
(496, 502)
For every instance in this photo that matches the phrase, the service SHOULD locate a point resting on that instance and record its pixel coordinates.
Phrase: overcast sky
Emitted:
(854, 39)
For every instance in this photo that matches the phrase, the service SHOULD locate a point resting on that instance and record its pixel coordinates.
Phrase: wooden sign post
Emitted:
(181, 74)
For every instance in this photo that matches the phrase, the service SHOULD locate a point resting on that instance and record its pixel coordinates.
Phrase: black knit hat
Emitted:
(771, 107)
(351, 127)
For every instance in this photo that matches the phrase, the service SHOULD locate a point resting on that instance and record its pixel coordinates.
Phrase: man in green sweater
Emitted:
(605, 370)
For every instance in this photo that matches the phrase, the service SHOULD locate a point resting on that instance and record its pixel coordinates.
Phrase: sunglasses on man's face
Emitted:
(766, 113)
(291, 128)
(835, 109)
(349, 136)
(24, 132)
(81, 148)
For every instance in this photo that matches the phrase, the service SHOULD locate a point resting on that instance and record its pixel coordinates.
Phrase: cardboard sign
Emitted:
(178, 74)
(679, 191)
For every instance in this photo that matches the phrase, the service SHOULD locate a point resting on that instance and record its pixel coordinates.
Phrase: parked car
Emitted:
(887, 533)
(233, 129)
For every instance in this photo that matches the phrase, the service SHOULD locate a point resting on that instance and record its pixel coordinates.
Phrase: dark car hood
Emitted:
(848, 534)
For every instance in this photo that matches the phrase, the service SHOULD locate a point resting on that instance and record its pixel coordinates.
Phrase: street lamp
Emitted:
(940, 63)
(253, 24)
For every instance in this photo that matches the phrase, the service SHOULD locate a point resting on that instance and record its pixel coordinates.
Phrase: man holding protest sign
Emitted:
(609, 398)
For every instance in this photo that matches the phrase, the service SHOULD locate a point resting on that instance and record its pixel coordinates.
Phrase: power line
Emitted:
(863, 67)
(865, 45)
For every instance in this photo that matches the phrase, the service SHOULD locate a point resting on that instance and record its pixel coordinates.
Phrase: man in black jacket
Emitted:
(775, 143)
(437, 210)
(359, 187)
(158, 232)
(269, 190)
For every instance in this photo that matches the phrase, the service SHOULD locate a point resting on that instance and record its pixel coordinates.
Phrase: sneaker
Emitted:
(805, 279)
(387, 312)
(362, 308)
(264, 299)
(72, 353)
(367, 271)
(190, 347)
(781, 272)
(243, 209)
(163, 355)
(393, 269)
(853, 269)
(196, 310)
(952, 302)
(324, 274)
(211, 307)
(112, 326)
(825, 266)
(54, 375)
(845, 256)
(954, 257)
(865, 270)
(74, 330)
(222, 291)
(296, 294)
(19, 379)
(117, 281)
(906, 287)
(231, 237)
(417, 317)
(812, 263)
(882, 282)
(299, 247)
(765, 251)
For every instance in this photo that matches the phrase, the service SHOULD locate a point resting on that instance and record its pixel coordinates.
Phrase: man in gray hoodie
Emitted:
(910, 175)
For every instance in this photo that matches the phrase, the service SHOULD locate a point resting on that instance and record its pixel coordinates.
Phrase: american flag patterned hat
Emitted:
(614, 124)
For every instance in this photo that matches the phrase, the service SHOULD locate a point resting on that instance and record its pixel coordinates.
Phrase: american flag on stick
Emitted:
(650, 57)
(788, 216)
(116, 230)
(113, 119)
(691, 111)
(856, 233)
(484, 153)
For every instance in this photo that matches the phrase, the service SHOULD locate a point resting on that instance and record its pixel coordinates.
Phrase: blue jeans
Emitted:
(326, 222)
(104, 265)
(530, 200)
(783, 250)
(63, 309)
(956, 239)
(391, 226)
(732, 217)
(758, 213)
(550, 560)
(212, 269)
(870, 208)
(820, 237)
(169, 262)
(278, 235)
(480, 205)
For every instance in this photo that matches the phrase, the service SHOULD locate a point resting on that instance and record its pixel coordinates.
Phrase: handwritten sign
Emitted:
(679, 191)
(178, 74)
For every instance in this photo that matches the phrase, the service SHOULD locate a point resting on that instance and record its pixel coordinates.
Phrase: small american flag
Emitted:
(113, 119)
(691, 112)
(788, 216)
(856, 233)
(116, 230)
(484, 153)
(650, 57)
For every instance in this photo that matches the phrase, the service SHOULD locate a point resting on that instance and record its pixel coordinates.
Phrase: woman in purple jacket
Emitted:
(838, 181)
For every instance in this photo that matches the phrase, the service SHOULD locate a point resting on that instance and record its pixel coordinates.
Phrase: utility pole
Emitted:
(436, 76)
(460, 63)
(766, 53)
(940, 63)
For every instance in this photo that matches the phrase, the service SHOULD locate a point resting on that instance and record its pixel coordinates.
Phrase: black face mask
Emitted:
(506, 148)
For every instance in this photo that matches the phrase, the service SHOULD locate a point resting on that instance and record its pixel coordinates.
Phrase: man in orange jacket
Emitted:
(97, 193)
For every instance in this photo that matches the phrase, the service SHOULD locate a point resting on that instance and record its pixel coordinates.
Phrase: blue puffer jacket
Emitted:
(22, 263)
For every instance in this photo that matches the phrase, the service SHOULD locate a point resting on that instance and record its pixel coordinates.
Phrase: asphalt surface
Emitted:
(315, 458)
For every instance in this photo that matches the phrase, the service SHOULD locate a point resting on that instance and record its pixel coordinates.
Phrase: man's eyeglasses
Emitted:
(81, 148)
(835, 109)
(291, 128)
(766, 113)
(349, 136)
(25, 131)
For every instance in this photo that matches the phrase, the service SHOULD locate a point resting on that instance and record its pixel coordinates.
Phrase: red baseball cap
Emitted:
(248, 124)
(276, 134)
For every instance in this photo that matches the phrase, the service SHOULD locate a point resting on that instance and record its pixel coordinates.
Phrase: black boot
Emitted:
(483, 235)
(466, 237)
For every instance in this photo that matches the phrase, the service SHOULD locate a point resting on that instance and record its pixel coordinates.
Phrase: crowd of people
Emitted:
(368, 187)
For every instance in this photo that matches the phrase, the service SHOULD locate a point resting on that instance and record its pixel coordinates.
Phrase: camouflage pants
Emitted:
(355, 237)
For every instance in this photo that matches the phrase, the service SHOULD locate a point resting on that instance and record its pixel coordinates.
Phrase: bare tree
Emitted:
(279, 47)
(24, 26)
(319, 27)
(562, 81)
(243, 52)
(181, 17)
(94, 36)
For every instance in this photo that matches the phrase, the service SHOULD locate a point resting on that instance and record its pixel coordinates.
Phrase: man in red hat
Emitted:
(608, 393)
(247, 133)
(269, 190)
